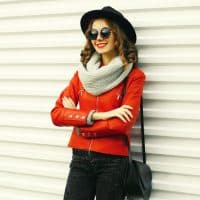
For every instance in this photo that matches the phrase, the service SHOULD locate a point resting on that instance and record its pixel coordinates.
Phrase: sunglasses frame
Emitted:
(102, 34)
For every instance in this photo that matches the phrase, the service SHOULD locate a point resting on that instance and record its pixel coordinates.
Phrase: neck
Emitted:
(107, 57)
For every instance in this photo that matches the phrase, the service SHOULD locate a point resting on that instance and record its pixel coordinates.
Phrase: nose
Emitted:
(99, 37)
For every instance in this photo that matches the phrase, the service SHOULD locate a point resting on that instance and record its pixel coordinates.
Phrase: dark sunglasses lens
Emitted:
(93, 34)
(105, 32)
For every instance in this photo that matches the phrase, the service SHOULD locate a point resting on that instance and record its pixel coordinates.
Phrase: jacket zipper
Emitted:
(97, 102)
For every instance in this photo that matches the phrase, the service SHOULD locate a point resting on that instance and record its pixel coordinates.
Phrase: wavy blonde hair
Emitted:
(125, 48)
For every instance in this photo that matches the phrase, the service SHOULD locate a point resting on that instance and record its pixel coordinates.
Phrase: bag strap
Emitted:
(142, 127)
(142, 131)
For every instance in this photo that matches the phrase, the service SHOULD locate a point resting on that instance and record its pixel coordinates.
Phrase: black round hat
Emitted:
(110, 13)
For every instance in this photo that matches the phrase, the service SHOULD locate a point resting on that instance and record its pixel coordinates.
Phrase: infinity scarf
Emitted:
(97, 80)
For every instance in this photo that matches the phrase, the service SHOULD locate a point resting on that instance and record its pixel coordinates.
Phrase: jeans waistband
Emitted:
(80, 152)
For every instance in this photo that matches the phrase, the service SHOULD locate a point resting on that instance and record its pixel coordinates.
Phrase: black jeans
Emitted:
(95, 174)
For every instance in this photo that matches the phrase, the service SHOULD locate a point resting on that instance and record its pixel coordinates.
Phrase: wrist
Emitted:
(98, 116)
(101, 115)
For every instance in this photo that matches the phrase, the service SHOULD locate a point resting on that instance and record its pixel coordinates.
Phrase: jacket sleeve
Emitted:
(62, 116)
(113, 126)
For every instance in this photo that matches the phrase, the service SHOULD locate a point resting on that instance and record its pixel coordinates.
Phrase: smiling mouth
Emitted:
(101, 45)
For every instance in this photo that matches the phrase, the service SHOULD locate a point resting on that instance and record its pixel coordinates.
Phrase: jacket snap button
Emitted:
(83, 134)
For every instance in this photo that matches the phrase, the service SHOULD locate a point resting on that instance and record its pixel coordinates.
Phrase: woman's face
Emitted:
(103, 45)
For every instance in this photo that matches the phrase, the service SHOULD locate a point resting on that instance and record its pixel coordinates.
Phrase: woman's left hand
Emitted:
(68, 103)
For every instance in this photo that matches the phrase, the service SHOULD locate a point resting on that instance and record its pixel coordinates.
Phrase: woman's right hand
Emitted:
(124, 113)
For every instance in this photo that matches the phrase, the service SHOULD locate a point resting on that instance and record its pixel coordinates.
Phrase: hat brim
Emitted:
(123, 22)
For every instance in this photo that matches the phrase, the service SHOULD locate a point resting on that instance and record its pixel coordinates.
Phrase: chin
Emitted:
(102, 51)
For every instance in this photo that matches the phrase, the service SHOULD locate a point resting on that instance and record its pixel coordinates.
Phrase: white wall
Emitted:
(40, 44)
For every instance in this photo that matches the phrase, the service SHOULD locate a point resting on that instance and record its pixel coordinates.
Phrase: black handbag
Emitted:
(139, 174)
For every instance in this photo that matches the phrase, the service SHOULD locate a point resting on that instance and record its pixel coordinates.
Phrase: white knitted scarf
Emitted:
(97, 80)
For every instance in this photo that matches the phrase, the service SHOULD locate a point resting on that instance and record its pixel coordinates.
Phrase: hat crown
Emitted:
(110, 9)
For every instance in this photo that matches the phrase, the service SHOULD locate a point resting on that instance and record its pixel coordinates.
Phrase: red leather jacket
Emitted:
(105, 136)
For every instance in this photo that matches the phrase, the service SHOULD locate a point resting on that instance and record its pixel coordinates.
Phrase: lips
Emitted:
(101, 45)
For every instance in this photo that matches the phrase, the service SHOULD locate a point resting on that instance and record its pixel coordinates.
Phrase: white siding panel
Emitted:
(40, 48)
(34, 167)
(35, 135)
(34, 183)
(16, 194)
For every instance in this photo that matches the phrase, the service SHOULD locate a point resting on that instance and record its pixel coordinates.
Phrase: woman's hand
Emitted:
(68, 103)
(123, 113)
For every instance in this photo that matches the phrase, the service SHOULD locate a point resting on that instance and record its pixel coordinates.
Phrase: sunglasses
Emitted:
(104, 33)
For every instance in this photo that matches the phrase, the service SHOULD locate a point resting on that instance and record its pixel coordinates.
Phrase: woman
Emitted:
(101, 112)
